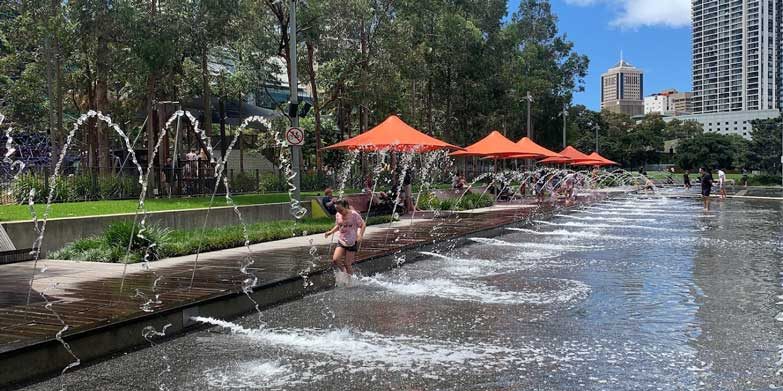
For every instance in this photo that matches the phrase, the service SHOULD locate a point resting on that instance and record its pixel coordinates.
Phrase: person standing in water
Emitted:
(686, 179)
(706, 186)
(722, 183)
(350, 231)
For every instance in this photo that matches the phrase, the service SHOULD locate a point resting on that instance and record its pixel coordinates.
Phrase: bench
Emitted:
(359, 202)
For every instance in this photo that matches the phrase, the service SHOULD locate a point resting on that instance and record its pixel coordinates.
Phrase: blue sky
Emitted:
(653, 35)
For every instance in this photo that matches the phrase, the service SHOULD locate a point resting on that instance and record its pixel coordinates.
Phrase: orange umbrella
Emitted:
(576, 156)
(555, 160)
(494, 144)
(606, 162)
(393, 133)
(531, 148)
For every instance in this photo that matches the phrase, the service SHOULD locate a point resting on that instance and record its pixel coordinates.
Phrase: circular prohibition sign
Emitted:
(294, 136)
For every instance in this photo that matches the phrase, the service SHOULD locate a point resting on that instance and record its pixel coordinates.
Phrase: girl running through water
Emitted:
(350, 231)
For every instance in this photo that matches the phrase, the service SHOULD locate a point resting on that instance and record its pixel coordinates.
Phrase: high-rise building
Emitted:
(669, 102)
(735, 55)
(622, 89)
(681, 102)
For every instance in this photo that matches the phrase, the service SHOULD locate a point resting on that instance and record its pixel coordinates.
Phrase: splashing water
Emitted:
(149, 333)
(41, 228)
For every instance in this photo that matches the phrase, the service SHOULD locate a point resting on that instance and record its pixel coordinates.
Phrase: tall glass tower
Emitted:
(735, 55)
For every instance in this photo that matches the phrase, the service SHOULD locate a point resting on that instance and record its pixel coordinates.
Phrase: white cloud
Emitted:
(642, 13)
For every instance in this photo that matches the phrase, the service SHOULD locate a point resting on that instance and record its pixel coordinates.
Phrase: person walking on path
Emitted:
(722, 183)
(706, 187)
(686, 179)
(745, 177)
(350, 231)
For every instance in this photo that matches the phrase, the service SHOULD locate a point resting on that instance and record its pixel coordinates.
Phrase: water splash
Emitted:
(41, 228)
(150, 333)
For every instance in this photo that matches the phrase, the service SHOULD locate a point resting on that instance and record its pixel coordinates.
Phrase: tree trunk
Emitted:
(101, 130)
(102, 94)
(316, 105)
(363, 110)
(429, 106)
(59, 134)
(222, 108)
(151, 120)
(241, 141)
(50, 92)
(92, 138)
(152, 82)
(206, 98)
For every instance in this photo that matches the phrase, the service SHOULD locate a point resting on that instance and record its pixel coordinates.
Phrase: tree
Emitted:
(712, 150)
(676, 129)
(765, 149)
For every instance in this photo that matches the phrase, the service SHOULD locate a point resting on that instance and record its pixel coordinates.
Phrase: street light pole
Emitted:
(596, 137)
(293, 111)
(565, 114)
(529, 99)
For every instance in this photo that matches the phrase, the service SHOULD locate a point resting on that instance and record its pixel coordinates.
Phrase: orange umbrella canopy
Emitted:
(494, 144)
(555, 160)
(600, 158)
(394, 134)
(575, 155)
(531, 148)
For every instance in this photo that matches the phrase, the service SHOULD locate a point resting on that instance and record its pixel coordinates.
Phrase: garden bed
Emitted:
(112, 246)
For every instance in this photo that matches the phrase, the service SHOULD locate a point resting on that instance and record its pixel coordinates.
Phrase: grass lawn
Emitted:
(693, 174)
(95, 208)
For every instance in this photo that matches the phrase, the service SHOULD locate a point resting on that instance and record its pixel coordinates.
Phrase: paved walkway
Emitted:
(87, 295)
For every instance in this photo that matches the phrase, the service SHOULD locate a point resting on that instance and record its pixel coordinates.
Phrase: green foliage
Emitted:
(120, 234)
(453, 69)
(677, 129)
(765, 150)
(243, 183)
(97, 208)
(711, 150)
(272, 183)
(764, 180)
(112, 245)
(72, 188)
(117, 239)
(467, 202)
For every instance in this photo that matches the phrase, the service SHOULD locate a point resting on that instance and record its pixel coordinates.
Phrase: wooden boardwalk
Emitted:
(87, 295)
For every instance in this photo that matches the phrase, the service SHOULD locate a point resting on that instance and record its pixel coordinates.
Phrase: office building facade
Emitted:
(622, 89)
(735, 55)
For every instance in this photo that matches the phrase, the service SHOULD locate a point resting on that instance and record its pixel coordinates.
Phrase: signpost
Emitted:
(293, 110)
(294, 136)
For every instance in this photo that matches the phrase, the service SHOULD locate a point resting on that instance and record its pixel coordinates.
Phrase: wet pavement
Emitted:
(628, 294)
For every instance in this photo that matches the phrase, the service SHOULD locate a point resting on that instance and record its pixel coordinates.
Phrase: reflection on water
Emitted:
(629, 294)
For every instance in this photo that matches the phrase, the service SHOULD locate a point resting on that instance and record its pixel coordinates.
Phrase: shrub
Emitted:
(243, 183)
(79, 188)
(113, 244)
(20, 189)
(764, 180)
(271, 183)
(314, 182)
(474, 201)
(119, 234)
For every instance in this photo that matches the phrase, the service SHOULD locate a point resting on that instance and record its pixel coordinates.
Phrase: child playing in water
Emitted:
(350, 228)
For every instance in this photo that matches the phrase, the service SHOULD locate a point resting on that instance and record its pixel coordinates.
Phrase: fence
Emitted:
(185, 178)
(80, 183)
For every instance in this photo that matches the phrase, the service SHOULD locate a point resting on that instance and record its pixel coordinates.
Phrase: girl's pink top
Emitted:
(349, 227)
